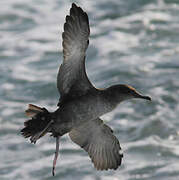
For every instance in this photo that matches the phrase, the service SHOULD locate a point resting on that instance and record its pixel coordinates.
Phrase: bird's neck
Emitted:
(113, 97)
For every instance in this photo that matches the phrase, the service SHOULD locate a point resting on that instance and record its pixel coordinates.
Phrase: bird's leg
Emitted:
(56, 155)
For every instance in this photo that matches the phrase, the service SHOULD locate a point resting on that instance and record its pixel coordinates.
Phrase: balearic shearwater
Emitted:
(81, 104)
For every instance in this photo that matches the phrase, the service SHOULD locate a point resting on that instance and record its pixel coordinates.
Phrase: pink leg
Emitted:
(56, 155)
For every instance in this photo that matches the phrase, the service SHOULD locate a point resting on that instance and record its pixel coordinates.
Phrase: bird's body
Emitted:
(85, 108)
(81, 104)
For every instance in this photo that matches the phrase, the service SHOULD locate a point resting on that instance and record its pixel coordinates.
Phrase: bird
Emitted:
(81, 104)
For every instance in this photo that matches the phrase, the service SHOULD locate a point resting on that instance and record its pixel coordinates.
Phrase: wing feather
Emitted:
(98, 140)
(72, 79)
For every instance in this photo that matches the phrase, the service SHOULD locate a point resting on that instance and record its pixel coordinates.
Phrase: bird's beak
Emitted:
(146, 97)
(142, 97)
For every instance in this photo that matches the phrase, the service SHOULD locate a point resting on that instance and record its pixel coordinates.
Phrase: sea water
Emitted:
(135, 42)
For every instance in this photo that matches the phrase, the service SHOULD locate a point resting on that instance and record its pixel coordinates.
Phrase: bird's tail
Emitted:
(38, 125)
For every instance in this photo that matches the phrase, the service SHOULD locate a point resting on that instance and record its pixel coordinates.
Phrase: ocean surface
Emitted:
(132, 41)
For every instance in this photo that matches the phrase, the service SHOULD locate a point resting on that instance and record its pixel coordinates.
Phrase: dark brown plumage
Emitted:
(81, 104)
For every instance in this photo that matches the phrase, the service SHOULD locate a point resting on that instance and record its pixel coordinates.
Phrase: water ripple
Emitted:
(133, 42)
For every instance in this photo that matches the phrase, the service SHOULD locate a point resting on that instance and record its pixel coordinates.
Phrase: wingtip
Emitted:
(73, 5)
(75, 8)
(78, 11)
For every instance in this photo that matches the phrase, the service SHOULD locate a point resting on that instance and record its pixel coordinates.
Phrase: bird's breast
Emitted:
(81, 110)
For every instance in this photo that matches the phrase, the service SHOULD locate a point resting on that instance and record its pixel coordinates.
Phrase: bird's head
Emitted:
(123, 92)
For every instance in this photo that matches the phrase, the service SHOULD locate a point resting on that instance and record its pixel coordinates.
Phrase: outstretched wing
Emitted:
(72, 78)
(98, 140)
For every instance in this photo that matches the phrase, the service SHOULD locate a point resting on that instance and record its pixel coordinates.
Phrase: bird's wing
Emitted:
(98, 140)
(72, 78)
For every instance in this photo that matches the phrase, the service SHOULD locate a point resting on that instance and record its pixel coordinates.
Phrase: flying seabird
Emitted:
(81, 104)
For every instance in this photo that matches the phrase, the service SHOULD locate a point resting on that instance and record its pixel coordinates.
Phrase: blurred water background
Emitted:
(132, 41)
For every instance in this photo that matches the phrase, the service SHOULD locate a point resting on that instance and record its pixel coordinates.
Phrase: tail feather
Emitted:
(39, 123)
(33, 110)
